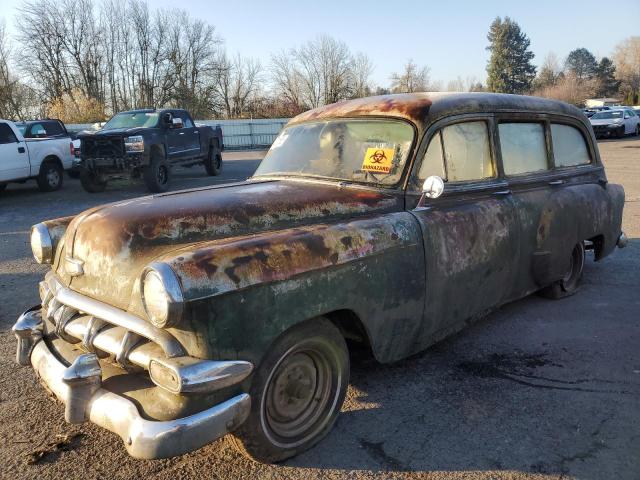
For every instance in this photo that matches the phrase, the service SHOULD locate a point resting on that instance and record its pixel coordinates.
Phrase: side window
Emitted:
(467, 152)
(523, 147)
(6, 134)
(433, 160)
(187, 121)
(53, 128)
(569, 146)
(37, 130)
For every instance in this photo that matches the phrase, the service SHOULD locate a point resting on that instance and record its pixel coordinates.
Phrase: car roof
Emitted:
(423, 109)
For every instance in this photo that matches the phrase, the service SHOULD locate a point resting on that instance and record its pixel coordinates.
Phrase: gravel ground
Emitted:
(540, 389)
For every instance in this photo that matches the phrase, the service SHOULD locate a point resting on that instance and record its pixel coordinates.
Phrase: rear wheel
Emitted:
(637, 129)
(213, 163)
(296, 393)
(569, 283)
(91, 181)
(156, 175)
(50, 177)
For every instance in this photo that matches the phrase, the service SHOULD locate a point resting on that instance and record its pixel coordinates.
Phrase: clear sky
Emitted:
(447, 36)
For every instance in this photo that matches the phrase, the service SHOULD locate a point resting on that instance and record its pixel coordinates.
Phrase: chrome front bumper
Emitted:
(79, 388)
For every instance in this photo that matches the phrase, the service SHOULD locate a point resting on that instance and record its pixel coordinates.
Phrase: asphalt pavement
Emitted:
(539, 389)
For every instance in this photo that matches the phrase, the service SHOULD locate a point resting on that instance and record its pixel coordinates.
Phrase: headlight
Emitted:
(41, 244)
(134, 144)
(162, 295)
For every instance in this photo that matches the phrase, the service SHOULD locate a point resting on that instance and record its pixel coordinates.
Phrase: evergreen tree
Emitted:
(581, 63)
(606, 73)
(509, 69)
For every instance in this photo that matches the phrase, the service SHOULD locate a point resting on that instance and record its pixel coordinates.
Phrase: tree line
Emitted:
(82, 60)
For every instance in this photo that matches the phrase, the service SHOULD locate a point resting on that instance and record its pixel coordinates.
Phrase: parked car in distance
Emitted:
(147, 144)
(46, 128)
(615, 122)
(40, 157)
(391, 221)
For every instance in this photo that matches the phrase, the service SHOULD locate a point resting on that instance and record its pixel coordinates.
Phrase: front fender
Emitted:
(244, 292)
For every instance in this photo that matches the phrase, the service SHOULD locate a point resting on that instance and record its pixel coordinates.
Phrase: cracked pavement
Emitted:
(539, 389)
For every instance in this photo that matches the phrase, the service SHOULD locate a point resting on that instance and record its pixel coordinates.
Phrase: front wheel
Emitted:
(91, 181)
(569, 283)
(296, 393)
(156, 174)
(637, 132)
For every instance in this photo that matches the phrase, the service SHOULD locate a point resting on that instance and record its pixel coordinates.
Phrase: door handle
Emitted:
(556, 182)
(181, 133)
(20, 149)
(502, 192)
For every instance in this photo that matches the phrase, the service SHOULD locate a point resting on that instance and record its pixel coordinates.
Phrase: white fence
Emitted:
(237, 134)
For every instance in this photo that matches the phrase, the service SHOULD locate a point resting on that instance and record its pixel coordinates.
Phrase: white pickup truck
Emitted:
(43, 157)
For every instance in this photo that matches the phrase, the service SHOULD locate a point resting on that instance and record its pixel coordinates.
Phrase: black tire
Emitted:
(621, 132)
(213, 163)
(50, 177)
(2, 186)
(289, 416)
(156, 175)
(570, 283)
(91, 182)
(637, 129)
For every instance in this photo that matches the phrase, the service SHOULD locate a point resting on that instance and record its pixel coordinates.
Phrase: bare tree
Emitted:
(462, 85)
(237, 85)
(361, 70)
(626, 58)
(411, 79)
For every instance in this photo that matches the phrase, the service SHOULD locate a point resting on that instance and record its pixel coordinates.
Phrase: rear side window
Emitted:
(569, 146)
(523, 148)
(53, 129)
(6, 134)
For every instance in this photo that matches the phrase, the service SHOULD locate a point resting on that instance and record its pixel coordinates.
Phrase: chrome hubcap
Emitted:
(53, 178)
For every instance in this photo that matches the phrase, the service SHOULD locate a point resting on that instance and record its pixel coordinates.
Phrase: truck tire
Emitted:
(90, 181)
(50, 176)
(569, 284)
(2, 186)
(156, 174)
(296, 392)
(213, 163)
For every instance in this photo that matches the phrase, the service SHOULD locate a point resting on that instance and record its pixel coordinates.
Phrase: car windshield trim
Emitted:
(299, 146)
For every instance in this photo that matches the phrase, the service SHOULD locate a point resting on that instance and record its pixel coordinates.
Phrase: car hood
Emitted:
(117, 241)
(115, 132)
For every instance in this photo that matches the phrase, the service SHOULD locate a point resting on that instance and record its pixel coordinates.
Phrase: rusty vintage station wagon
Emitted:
(174, 319)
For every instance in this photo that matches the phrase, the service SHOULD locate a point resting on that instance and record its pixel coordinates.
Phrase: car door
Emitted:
(176, 143)
(14, 158)
(470, 232)
(191, 136)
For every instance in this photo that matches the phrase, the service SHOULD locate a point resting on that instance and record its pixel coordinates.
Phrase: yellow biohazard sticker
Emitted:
(378, 160)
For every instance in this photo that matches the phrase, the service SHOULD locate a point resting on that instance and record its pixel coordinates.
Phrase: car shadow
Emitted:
(521, 390)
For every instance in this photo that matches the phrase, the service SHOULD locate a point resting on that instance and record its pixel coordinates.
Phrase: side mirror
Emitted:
(176, 122)
(433, 187)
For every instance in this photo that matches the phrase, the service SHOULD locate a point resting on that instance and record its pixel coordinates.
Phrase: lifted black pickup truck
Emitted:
(147, 143)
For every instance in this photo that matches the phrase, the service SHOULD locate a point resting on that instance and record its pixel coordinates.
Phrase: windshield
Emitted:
(132, 120)
(605, 115)
(370, 151)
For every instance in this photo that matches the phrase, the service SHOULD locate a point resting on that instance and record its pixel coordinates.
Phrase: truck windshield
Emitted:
(132, 120)
(366, 151)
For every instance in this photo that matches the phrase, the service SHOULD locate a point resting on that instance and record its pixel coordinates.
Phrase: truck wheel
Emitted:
(156, 174)
(50, 177)
(213, 163)
(2, 186)
(296, 393)
(91, 182)
(568, 285)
